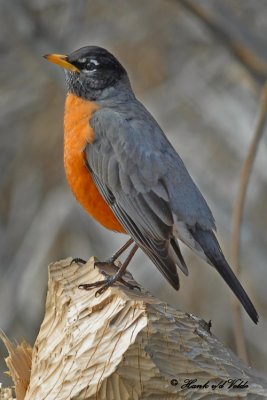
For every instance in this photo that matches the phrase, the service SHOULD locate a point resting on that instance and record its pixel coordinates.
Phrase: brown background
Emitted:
(202, 83)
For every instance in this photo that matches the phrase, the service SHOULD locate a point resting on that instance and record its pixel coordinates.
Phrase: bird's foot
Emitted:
(106, 283)
(110, 262)
(77, 260)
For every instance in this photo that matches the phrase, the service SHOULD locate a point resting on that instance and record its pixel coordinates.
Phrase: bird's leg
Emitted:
(110, 261)
(106, 283)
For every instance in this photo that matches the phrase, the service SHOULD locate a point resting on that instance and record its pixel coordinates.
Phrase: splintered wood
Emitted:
(127, 345)
(6, 393)
(19, 365)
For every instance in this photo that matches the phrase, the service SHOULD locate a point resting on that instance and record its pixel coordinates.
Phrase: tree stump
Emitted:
(128, 345)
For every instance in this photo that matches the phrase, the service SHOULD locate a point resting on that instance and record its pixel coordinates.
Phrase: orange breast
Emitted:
(77, 133)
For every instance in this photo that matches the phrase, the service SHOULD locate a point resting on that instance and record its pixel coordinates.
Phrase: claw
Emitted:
(101, 290)
(89, 286)
(106, 283)
(77, 260)
(111, 279)
(129, 285)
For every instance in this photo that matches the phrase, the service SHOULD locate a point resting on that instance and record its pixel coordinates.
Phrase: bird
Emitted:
(126, 174)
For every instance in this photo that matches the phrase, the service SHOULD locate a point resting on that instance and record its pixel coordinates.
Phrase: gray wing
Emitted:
(162, 252)
(121, 168)
(144, 152)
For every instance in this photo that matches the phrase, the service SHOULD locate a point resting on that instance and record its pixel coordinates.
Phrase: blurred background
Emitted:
(200, 72)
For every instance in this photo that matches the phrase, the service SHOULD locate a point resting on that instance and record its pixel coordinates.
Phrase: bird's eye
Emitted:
(92, 65)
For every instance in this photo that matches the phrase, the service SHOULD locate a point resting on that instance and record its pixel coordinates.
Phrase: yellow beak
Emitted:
(62, 61)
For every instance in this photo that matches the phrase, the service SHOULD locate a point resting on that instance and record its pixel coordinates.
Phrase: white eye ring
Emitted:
(89, 64)
(90, 67)
(93, 61)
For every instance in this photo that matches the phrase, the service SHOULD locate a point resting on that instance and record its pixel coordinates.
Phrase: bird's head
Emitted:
(91, 72)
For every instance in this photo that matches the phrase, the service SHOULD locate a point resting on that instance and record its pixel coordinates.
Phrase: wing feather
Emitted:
(146, 234)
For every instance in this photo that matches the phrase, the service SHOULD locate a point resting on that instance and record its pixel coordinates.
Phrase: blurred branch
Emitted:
(32, 253)
(246, 48)
(238, 215)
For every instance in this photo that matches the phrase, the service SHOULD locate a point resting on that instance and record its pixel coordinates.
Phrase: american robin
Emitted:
(127, 175)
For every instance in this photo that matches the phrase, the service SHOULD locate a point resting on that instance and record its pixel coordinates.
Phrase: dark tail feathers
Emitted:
(212, 250)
